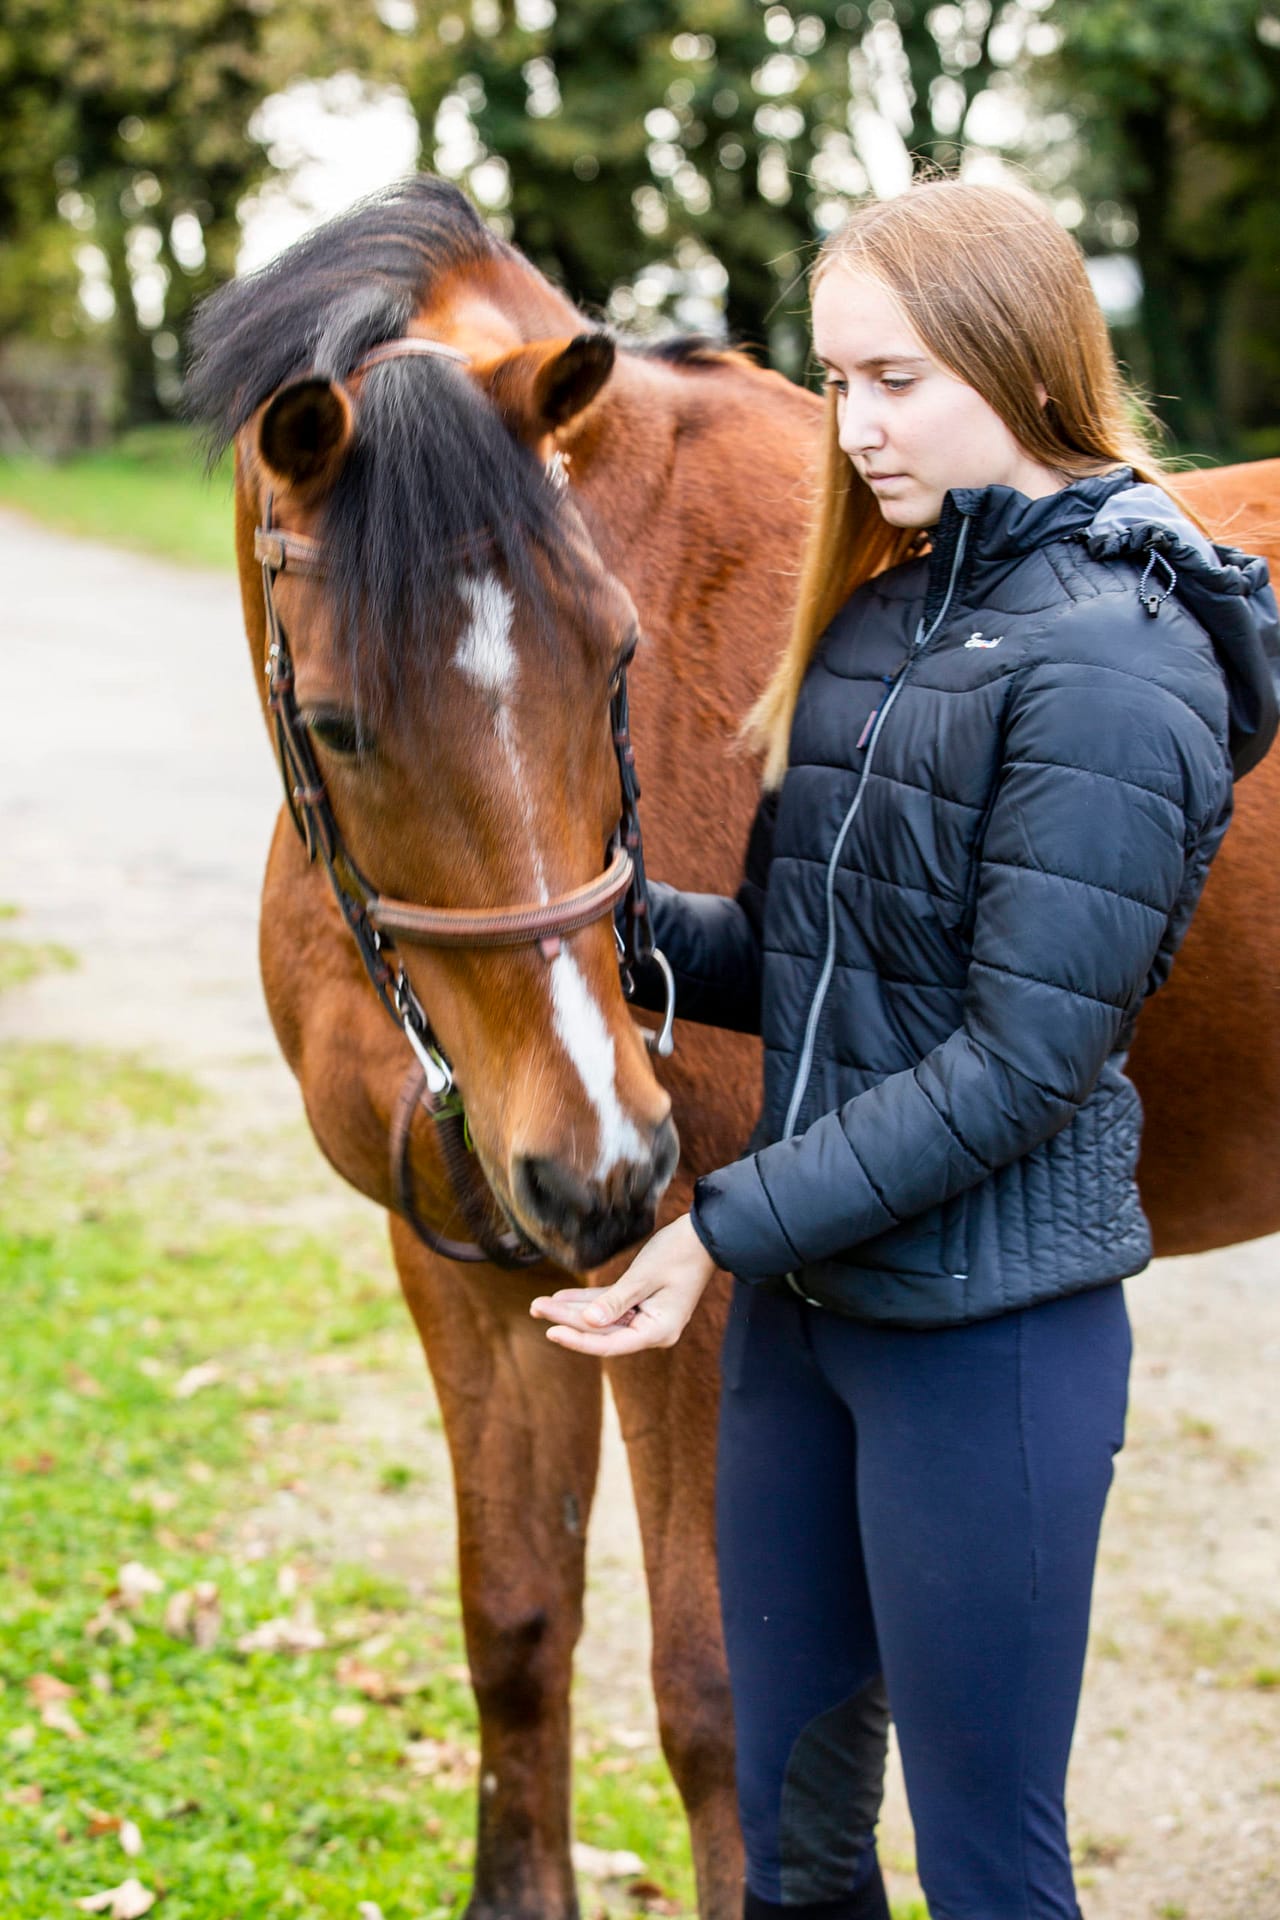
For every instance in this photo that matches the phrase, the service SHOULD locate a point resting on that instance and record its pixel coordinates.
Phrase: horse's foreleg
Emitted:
(522, 1420)
(667, 1407)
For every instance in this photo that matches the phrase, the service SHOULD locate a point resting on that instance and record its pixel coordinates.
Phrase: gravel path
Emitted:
(137, 795)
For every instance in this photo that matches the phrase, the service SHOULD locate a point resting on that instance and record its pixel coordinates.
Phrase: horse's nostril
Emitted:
(597, 1218)
(550, 1190)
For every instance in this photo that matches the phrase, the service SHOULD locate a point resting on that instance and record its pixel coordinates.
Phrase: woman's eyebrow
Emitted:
(877, 362)
(890, 360)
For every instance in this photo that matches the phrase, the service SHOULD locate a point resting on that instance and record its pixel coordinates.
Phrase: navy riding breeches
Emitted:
(907, 1522)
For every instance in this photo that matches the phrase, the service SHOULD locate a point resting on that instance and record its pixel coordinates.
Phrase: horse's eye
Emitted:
(338, 733)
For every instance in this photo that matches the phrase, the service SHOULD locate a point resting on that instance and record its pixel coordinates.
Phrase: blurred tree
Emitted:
(1176, 156)
(717, 138)
(633, 132)
(128, 149)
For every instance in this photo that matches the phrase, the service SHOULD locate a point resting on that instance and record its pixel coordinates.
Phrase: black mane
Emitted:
(432, 466)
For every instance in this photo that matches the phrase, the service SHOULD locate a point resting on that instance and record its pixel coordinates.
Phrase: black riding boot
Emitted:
(870, 1902)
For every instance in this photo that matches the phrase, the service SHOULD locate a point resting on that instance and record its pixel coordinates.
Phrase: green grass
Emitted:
(147, 492)
(23, 960)
(261, 1783)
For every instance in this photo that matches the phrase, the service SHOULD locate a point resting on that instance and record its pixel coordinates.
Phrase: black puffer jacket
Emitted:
(1010, 768)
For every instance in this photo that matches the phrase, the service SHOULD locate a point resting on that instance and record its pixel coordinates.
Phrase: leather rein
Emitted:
(379, 923)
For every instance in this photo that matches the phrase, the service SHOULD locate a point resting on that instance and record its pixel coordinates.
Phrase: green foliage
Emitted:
(656, 131)
(1178, 108)
(129, 129)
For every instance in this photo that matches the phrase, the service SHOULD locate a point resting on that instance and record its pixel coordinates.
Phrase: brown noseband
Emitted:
(376, 920)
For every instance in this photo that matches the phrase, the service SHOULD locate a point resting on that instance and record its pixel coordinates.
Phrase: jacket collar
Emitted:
(1004, 525)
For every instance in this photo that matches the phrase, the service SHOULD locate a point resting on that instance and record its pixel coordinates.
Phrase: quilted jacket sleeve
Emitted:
(1113, 795)
(713, 943)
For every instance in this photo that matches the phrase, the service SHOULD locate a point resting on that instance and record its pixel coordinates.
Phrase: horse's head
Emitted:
(454, 650)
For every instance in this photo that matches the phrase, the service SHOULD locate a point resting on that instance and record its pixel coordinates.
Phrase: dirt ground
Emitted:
(136, 798)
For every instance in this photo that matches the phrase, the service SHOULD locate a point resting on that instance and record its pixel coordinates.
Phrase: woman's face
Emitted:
(911, 428)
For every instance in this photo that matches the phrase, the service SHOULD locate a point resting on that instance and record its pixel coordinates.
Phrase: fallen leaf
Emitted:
(207, 1621)
(61, 1720)
(207, 1374)
(372, 1682)
(83, 1383)
(134, 1583)
(35, 1463)
(180, 1809)
(159, 1499)
(44, 1687)
(292, 1633)
(632, 1737)
(651, 1898)
(109, 1624)
(129, 1901)
(599, 1864)
(28, 1796)
(200, 1472)
(349, 1716)
(442, 1761)
(369, 1910)
(194, 1613)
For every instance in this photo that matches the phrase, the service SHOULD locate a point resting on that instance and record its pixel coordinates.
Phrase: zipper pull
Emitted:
(888, 680)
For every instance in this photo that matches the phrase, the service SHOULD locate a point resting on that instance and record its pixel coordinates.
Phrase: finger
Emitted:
(542, 1307)
(610, 1304)
(573, 1313)
(613, 1342)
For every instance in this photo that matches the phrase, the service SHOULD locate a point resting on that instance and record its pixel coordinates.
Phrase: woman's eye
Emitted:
(338, 733)
(897, 382)
(838, 387)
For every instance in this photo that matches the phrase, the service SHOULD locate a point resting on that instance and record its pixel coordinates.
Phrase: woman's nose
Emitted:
(860, 431)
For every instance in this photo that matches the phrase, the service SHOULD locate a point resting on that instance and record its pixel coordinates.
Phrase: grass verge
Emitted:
(207, 1683)
(147, 492)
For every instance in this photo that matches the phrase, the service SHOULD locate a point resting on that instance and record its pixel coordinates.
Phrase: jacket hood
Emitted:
(1115, 516)
(1226, 591)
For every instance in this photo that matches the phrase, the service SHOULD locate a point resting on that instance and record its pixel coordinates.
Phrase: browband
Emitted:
(409, 348)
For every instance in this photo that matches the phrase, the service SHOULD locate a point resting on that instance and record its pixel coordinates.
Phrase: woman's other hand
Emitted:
(650, 1306)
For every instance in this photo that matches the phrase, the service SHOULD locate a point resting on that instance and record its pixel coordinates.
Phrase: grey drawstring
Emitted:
(1153, 600)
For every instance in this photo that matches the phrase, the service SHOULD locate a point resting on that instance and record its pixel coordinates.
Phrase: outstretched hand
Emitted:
(649, 1306)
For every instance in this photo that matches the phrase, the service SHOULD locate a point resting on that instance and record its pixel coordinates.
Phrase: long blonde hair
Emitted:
(999, 294)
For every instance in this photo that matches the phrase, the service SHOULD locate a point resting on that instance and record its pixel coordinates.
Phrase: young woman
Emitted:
(1000, 768)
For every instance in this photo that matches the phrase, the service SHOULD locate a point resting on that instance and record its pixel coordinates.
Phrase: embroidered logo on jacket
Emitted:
(976, 640)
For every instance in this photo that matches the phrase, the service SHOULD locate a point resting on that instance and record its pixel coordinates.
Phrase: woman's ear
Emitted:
(547, 383)
(304, 434)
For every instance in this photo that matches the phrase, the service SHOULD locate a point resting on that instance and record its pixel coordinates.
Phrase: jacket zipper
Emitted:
(921, 641)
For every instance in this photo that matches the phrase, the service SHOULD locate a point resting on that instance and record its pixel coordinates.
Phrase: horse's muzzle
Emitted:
(584, 1222)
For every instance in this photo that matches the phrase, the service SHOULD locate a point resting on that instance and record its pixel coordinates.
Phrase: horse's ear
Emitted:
(304, 433)
(544, 385)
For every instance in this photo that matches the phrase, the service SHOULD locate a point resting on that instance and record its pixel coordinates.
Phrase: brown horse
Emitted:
(453, 664)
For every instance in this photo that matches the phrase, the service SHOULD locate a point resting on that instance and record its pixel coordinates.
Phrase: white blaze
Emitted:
(589, 1044)
(486, 656)
(485, 653)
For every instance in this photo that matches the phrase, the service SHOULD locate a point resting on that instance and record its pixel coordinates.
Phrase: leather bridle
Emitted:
(379, 923)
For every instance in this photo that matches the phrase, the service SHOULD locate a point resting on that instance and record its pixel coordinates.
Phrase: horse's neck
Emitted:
(690, 475)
